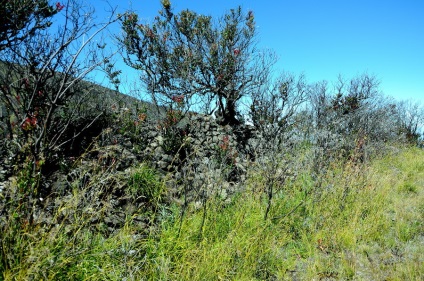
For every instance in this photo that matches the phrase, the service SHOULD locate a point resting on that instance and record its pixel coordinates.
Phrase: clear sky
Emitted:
(325, 38)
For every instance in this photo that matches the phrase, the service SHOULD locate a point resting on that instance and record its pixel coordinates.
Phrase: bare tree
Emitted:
(274, 107)
(352, 119)
(410, 117)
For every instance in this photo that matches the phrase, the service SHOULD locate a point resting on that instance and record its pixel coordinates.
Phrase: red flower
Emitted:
(150, 33)
(178, 99)
(236, 52)
(26, 83)
(59, 7)
(26, 125)
(29, 123)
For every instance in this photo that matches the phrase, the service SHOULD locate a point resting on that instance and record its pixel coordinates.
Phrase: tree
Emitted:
(352, 117)
(41, 78)
(22, 18)
(190, 55)
(274, 107)
(410, 121)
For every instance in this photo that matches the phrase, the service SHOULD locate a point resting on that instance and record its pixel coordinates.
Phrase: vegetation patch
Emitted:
(225, 171)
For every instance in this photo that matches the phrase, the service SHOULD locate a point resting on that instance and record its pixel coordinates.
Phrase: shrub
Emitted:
(41, 91)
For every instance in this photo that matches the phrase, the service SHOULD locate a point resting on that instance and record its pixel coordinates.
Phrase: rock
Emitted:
(2, 174)
(216, 139)
(159, 140)
(152, 134)
(167, 158)
(162, 165)
(223, 194)
(159, 151)
(240, 166)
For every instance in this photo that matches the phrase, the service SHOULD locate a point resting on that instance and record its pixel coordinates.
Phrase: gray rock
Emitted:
(159, 152)
(167, 158)
(152, 134)
(2, 174)
(159, 140)
(162, 165)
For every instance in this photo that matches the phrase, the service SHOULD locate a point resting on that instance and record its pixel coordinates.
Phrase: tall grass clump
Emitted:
(145, 184)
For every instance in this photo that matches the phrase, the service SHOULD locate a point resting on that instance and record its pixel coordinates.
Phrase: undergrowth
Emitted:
(365, 223)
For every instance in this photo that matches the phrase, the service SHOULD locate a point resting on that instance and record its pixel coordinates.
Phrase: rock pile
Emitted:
(210, 159)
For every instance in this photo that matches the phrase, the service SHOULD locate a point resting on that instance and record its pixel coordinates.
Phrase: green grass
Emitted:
(364, 224)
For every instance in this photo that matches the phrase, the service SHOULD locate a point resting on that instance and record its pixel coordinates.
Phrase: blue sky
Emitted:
(326, 38)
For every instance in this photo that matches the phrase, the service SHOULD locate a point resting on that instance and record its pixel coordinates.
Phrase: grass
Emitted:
(363, 224)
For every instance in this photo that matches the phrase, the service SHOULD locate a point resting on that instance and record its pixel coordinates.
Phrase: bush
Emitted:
(42, 92)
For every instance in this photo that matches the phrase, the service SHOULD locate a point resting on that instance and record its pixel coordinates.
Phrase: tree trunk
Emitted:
(229, 114)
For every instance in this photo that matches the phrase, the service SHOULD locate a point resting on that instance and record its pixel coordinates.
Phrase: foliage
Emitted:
(351, 117)
(189, 54)
(41, 91)
(132, 122)
(314, 203)
(226, 153)
(23, 18)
